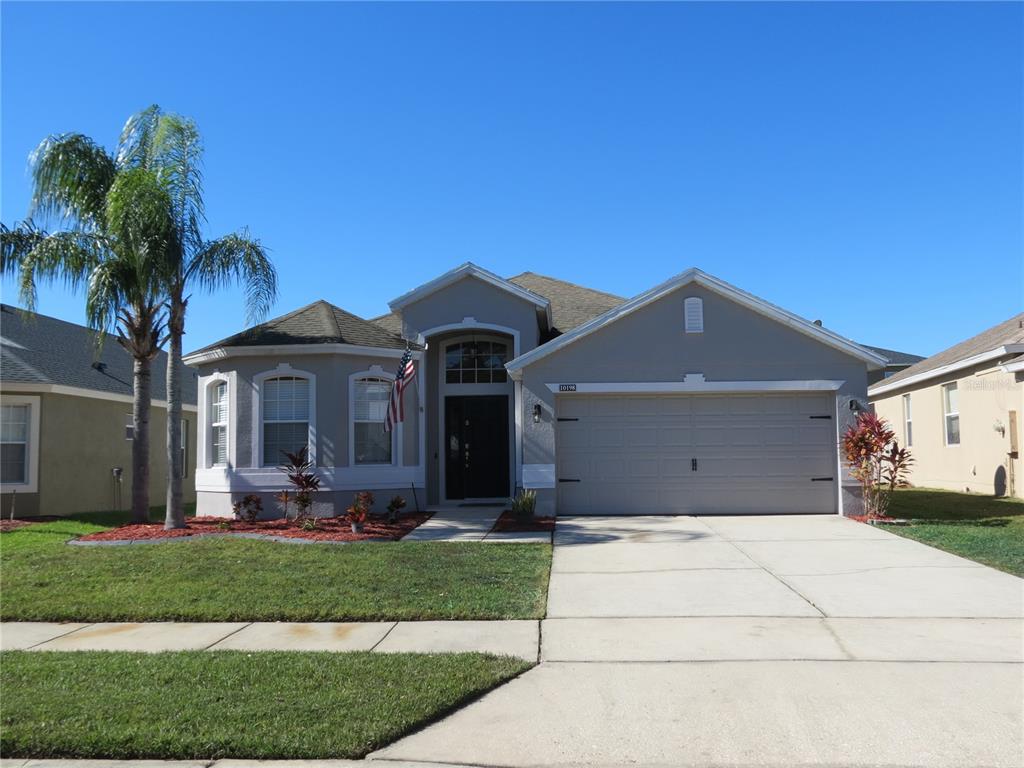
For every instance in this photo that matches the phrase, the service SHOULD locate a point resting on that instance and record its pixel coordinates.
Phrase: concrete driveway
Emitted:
(743, 641)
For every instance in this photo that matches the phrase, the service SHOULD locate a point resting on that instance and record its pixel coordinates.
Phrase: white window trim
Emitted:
(284, 369)
(203, 458)
(397, 434)
(943, 389)
(31, 485)
(908, 420)
(216, 382)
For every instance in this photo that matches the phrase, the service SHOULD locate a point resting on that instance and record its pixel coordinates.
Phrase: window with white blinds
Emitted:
(693, 314)
(285, 417)
(372, 445)
(219, 413)
(14, 430)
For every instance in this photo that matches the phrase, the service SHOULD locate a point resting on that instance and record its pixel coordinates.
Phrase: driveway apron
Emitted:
(741, 641)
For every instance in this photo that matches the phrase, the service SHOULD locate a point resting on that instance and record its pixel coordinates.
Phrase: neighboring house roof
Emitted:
(318, 323)
(571, 304)
(895, 358)
(1006, 338)
(40, 350)
(718, 286)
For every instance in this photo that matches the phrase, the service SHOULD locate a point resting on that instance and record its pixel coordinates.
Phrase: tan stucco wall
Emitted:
(986, 396)
(81, 439)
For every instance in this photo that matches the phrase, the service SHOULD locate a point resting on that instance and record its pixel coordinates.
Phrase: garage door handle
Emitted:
(693, 465)
(568, 479)
(567, 418)
(821, 479)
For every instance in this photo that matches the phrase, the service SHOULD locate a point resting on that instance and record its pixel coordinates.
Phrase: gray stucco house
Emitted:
(694, 397)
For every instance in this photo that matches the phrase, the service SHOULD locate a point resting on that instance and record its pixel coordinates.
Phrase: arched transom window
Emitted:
(285, 417)
(475, 361)
(372, 445)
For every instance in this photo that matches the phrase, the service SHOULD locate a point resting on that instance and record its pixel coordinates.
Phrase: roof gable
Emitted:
(714, 284)
(470, 270)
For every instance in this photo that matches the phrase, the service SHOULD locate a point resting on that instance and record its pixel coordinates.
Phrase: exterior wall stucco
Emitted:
(651, 345)
(81, 440)
(981, 462)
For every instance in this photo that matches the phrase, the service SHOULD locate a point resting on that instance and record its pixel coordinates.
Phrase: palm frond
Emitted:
(16, 244)
(67, 257)
(71, 176)
(179, 155)
(139, 219)
(137, 146)
(237, 258)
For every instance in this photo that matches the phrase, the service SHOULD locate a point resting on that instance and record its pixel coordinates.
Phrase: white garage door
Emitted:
(696, 454)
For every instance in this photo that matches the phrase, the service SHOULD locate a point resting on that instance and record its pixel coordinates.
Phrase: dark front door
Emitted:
(476, 446)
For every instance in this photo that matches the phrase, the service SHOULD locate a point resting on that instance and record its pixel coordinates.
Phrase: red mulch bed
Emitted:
(509, 523)
(327, 529)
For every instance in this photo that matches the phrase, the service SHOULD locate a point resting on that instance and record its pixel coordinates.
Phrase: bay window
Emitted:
(285, 417)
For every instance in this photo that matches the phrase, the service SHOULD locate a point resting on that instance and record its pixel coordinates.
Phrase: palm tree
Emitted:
(171, 146)
(119, 228)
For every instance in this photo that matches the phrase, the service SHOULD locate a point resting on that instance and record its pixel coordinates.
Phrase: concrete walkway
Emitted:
(470, 524)
(512, 638)
(768, 641)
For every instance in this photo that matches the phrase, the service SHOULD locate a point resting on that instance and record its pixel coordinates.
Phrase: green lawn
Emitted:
(230, 704)
(43, 579)
(982, 528)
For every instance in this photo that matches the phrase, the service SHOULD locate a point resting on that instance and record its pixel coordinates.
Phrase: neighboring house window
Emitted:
(693, 312)
(285, 417)
(19, 443)
(372, 445)
(219, 414)
(14, 431)
(907, 422)
(476, 362)
(951, 412)
(129, 426)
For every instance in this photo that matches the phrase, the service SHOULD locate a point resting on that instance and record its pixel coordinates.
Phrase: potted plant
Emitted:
(360, 510)
(395, 506)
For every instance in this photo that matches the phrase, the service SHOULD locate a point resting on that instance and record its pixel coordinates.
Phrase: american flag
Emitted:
(396, 408)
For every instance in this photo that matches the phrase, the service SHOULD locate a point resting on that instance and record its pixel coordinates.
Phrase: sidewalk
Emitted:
(471, 524)
(508, 638)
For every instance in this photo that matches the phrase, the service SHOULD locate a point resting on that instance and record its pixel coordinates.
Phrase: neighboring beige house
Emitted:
(66, 419)
(960, 412)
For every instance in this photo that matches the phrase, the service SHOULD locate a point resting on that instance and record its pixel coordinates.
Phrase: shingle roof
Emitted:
(571, 304)
(894, 357)
(318, 323)
(1007, 332)
(37, 349)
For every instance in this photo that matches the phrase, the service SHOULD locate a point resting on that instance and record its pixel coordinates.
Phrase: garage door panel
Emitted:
(755, 454)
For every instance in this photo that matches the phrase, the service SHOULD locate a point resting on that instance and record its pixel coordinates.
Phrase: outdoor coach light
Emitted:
(536, 413)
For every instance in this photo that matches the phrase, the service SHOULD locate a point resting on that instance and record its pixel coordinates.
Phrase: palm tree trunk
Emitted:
(175, 516)
(140, 438)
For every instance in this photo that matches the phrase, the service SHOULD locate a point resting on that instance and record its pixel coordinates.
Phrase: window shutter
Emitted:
(693, 312)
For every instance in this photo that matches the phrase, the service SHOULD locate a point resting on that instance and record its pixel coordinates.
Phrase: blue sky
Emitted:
(858, 163)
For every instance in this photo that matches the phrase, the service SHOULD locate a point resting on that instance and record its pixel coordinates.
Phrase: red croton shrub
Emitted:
(876, 460)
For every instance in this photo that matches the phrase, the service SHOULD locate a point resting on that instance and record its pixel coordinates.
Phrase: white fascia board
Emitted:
(279, 350)
(714, 284)
(983, 357)
(469, 269)
(1014, 366)
(61, 389)
(694, 387)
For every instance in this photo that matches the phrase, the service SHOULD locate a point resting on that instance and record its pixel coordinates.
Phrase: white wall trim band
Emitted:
(692, 386)
(290, 350)
(538, 476)
(267, 479)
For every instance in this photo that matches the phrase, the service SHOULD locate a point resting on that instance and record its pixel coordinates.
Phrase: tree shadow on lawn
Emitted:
(950, 507)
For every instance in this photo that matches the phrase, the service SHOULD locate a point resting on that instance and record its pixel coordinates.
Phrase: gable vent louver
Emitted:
(693, 314)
